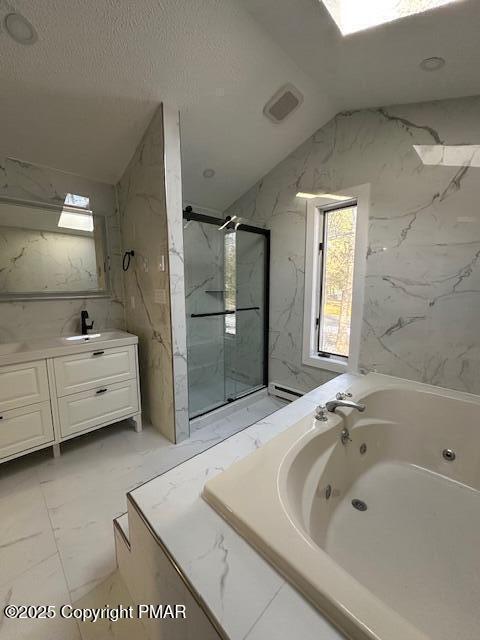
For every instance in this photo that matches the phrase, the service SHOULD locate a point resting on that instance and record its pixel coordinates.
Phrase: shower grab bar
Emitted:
(223, 313)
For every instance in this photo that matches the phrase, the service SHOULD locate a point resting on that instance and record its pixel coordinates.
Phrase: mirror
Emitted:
(49, 252)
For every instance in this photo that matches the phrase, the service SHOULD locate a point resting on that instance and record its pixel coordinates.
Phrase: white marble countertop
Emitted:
(37, 349)
(244, 593)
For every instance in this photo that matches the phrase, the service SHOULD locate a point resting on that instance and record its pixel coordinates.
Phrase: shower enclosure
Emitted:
(226, 289)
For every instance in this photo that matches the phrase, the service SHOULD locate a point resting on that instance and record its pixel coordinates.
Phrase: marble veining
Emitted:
(150, 218)
(33, 261)
(174, 211)
(24, 181)
(423, 263)
(141, 201)
(219, 563)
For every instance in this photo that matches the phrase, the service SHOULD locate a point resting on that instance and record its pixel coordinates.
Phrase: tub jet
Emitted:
(359, 504)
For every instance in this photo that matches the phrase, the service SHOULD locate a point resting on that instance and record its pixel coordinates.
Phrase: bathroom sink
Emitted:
(91, 337)
(83, 338)
(39, 348)
(11, 347)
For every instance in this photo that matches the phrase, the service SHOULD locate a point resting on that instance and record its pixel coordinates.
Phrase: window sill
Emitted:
(330, 364)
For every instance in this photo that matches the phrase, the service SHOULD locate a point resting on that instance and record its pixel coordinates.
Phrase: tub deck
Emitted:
(408, 566)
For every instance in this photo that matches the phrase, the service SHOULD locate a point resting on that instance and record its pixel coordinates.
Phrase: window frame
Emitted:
(324, 211)
(316, 208)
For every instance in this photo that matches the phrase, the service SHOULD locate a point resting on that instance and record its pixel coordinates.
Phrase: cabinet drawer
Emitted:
(83, 411)
(23, 384)
(25, 428)
(93, 369)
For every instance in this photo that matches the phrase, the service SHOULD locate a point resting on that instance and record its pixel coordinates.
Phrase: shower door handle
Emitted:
(223, 313)
(215, 313)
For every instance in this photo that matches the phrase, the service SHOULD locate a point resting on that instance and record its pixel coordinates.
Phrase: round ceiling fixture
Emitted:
(208, 173)
(432, 64)
(20, 29)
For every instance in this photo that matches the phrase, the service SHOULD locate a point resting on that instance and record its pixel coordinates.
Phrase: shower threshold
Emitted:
(222, 409)
(198, 394)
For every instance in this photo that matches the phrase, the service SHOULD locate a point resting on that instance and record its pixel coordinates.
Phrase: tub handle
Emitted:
(321, 413)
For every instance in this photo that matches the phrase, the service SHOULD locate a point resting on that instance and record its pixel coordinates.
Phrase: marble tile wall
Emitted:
(155, 279)
(21, 180)
(174, 209)
(422, 301)
(32, 260)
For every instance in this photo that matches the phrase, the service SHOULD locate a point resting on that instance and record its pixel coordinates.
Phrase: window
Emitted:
(335, 264)
(356, 15)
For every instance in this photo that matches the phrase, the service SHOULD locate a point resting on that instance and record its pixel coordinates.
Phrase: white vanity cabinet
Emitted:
(72, 389)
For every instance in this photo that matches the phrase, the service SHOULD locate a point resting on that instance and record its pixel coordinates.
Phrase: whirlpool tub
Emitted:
(381, 534)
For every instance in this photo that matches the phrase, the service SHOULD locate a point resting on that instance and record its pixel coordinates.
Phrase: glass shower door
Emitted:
(204, 284)
(226, 276)
(246, 336)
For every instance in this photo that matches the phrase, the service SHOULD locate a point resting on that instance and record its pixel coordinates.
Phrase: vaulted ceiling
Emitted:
(80, 98)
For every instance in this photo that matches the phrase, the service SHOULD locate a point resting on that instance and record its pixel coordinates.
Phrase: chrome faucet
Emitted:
(333, 405)
(340, 401)
(322, 412)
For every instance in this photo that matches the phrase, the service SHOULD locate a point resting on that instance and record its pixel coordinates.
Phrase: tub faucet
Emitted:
(332, 405)
(340, 402)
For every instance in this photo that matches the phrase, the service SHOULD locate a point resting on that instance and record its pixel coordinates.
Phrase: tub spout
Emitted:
(334, 404)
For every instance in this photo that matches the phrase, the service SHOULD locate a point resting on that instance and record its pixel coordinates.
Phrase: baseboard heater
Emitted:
(281, 391)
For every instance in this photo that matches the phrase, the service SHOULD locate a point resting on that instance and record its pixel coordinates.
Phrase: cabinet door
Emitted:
(23, 384)
(93, 369)
(25, 428)
(83, 411)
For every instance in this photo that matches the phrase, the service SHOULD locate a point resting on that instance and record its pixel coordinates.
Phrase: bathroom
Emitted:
(239, 353)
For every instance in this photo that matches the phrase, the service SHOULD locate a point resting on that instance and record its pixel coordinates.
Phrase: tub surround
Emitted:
(148, 203)
(423, 270)
(219, 567)
(25, 319)
(303, 521)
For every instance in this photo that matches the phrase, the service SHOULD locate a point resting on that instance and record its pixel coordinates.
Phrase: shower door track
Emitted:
(189, 214)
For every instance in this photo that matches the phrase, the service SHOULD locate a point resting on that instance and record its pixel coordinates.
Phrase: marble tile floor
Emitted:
(56, 537)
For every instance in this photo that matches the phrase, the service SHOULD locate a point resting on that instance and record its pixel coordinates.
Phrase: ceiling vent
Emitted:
(287, 100)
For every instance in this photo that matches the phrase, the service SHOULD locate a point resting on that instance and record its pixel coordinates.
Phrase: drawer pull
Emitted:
(101, 391)
(1, 417)
(98, 353)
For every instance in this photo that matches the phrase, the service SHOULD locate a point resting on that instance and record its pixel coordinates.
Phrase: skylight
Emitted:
(356, 15)
(75, 200)
(76, 213)
(467, 155)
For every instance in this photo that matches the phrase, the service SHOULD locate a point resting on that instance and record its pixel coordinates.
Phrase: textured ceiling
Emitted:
(80, 98)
